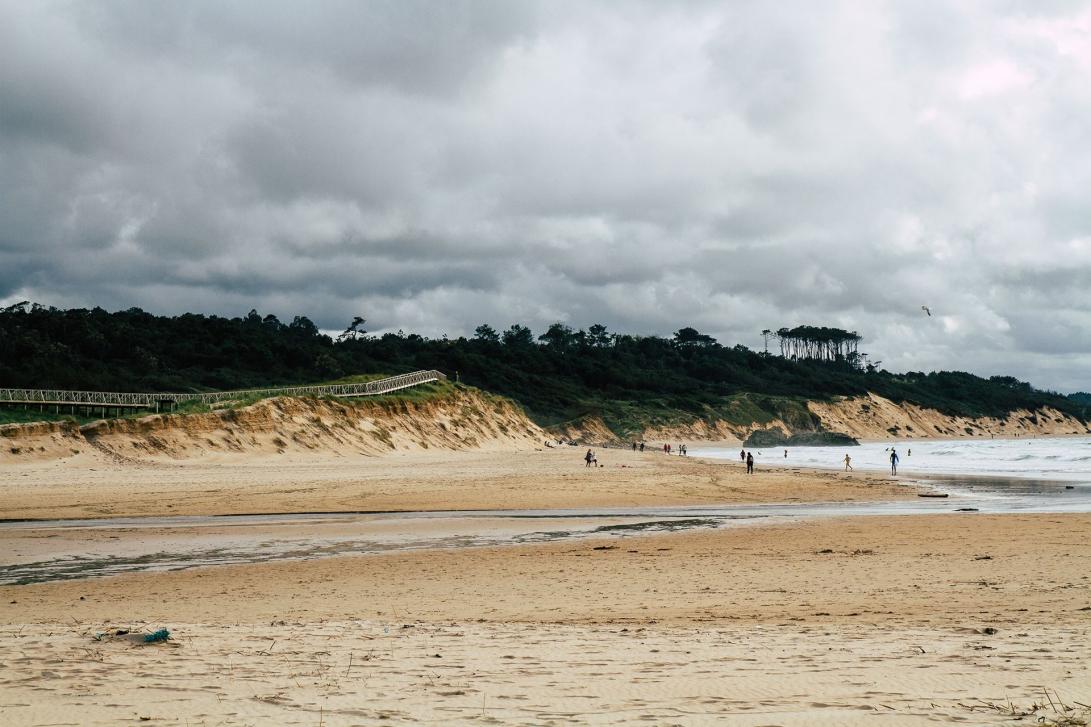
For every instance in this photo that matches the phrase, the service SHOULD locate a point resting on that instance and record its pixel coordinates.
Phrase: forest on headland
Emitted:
(558, 375)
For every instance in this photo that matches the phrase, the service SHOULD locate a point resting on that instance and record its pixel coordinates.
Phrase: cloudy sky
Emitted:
(730, 166)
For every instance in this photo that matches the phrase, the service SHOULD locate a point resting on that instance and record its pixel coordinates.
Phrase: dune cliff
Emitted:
(875, 417)
(462, 419)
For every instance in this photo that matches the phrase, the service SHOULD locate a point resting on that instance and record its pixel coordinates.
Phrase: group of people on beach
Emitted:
(747, 458)
(894, 460)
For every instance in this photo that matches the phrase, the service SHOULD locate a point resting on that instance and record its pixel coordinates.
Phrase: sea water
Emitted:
(1056, 459)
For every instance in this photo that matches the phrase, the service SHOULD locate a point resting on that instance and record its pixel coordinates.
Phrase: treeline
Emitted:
(558, 375)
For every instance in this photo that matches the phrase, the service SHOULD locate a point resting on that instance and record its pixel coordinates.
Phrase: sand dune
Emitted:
(462, 419)
(874, 417)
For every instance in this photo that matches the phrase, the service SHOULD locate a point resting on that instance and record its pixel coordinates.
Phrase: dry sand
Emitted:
(91, 486)
(872, 620)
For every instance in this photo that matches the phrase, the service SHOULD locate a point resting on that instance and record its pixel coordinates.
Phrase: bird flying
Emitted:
(927, 310)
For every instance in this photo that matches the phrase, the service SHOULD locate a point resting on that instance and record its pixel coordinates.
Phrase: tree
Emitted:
(818, 343)
(558, 336)
(690, 337)
(518, 336)
(486, 333)
(597, 336)
(353, 331)
(303, 325)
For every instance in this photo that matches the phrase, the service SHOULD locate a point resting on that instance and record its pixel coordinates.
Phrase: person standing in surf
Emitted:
(893, 461)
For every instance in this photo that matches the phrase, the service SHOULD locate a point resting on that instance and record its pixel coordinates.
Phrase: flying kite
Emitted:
(927, 310)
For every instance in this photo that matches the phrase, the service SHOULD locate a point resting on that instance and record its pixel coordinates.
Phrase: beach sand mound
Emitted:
(463, 419)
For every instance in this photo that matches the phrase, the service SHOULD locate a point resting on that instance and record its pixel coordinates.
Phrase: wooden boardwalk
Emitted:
(132, 400)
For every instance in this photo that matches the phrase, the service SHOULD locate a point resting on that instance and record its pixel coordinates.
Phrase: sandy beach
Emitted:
(87, 485)
(907, 620)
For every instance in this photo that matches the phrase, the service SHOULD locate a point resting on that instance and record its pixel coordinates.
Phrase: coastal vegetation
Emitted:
(561, 375)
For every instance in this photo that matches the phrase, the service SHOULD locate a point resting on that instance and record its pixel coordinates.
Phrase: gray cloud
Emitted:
(644, 165)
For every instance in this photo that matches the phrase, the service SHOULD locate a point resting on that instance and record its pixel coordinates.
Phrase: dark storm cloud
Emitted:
(645, 165)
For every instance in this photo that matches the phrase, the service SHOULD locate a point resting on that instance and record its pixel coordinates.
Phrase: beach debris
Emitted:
(989, 631)
(126, 635)
(983, 557)
(931, 494)
(605, 547)
(967, 509)
(160, 635)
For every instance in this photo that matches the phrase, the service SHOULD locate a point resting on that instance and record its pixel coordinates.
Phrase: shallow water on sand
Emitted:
(71, 549)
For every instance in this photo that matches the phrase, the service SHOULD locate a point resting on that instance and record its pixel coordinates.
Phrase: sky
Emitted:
(729, 166)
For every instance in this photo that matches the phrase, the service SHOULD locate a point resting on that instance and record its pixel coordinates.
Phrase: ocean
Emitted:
(1056, 459)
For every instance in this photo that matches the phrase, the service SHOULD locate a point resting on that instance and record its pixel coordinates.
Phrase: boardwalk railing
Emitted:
(137, 400)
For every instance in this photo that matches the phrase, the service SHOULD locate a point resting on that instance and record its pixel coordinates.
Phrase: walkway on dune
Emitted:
(61, 397)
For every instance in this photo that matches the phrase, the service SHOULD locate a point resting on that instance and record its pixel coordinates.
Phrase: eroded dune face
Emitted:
(874, 417)
(463, 419)
(460, 420)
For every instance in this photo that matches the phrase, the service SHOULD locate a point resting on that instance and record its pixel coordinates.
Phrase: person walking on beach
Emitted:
(786, 454)
(589, 458)
(750, 463)
(848, 463)
(742, 455)
(893, 461)
(642, 446)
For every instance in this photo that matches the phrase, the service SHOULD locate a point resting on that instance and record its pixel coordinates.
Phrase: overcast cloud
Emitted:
(648, 165)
